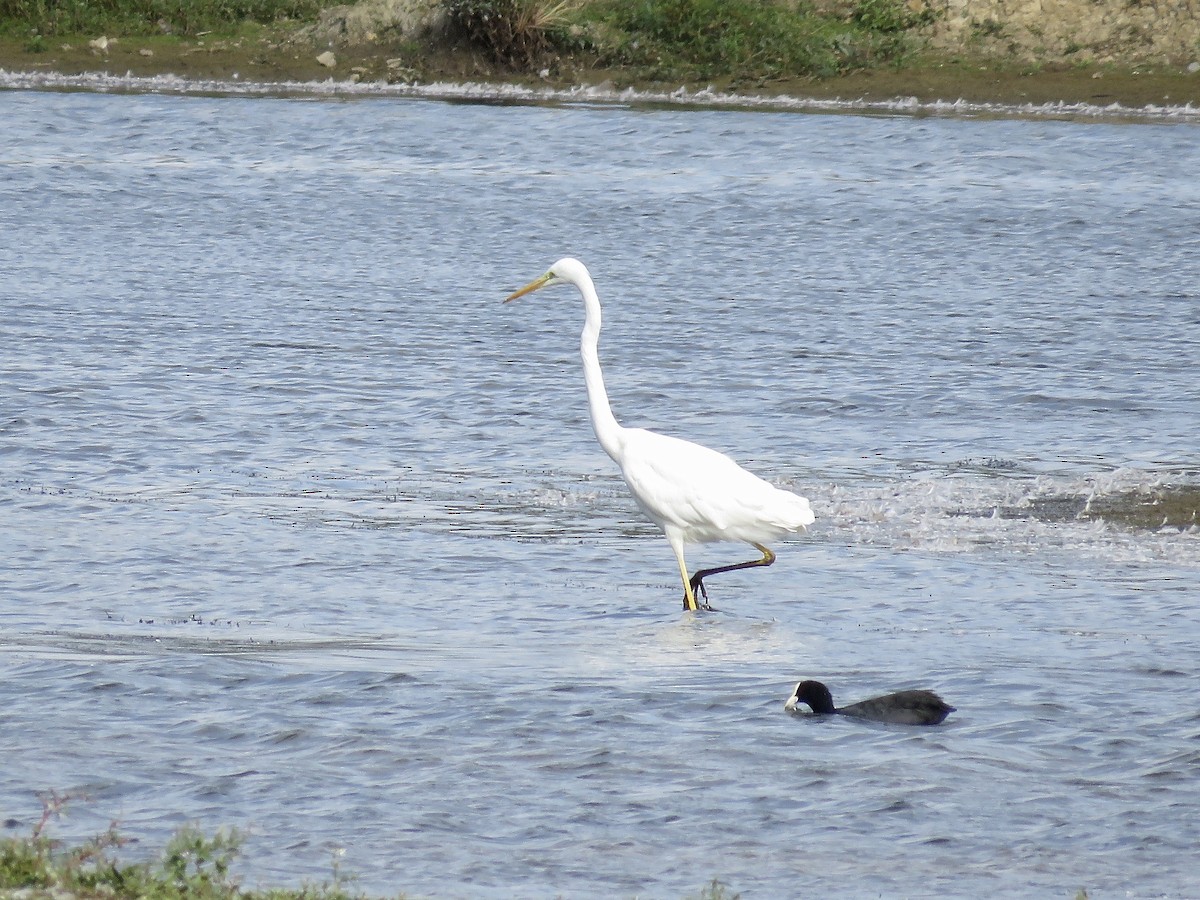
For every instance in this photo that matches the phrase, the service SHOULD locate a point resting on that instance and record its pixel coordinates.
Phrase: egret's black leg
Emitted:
(699, 596)
(699, 591)
(697, 580)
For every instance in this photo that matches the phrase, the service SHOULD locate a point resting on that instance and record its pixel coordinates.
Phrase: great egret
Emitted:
(901, 708)
(694, 494)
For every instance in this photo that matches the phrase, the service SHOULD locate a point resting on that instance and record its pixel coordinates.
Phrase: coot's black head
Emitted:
(814, 694)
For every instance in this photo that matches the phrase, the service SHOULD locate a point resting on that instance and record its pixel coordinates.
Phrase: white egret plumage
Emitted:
(694, 494)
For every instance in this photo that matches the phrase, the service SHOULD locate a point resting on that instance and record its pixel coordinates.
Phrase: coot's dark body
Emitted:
(900, 708)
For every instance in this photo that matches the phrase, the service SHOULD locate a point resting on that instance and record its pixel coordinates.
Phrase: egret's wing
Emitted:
(705, 494)
(674, 483)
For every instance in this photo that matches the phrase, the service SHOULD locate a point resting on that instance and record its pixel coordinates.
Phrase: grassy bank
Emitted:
(858, 48)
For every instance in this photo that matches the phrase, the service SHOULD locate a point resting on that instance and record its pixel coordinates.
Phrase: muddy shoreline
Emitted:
(263, 58)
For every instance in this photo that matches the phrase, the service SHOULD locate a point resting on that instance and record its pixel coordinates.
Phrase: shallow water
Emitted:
(305, 532)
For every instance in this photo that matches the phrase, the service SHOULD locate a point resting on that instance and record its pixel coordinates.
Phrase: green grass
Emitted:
(692, 39)
(747, 40)
(689, 39)
(142, 17)
(751, 39)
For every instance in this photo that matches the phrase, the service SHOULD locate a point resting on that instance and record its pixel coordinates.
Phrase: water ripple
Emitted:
(306, 532)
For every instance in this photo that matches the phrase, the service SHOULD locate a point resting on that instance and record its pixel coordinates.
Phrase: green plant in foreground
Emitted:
(192, 866)
(718, 890)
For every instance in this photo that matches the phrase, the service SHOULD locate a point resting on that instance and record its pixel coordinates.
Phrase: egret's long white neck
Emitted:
(604, 423)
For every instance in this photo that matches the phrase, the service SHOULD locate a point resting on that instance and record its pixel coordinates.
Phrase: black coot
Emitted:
(901, 708)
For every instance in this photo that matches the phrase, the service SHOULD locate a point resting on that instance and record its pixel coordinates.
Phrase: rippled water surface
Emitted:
(306, 533)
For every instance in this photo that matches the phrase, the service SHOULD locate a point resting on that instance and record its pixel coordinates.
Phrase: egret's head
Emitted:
(565, 271)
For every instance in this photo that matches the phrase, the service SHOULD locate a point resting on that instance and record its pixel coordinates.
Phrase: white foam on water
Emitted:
(600, 94)
(970, 513)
